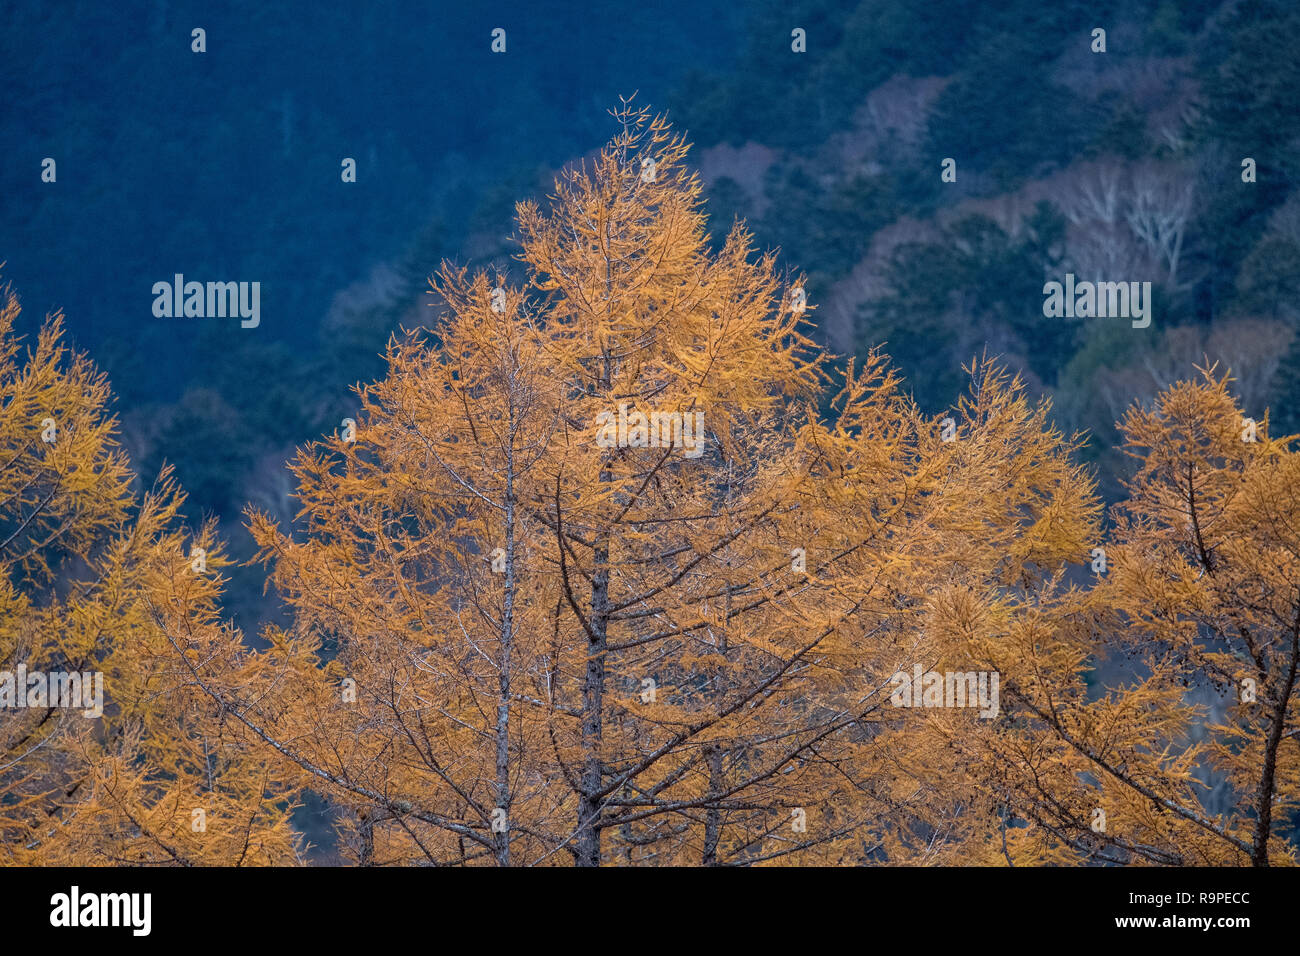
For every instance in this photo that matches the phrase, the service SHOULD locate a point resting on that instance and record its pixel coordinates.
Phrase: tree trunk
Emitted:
(593, 703)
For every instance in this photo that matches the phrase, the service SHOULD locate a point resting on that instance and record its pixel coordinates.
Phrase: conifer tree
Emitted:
(157, 776)
(591, 578)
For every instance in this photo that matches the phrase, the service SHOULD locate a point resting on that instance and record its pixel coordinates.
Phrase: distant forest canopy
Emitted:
(224, 166)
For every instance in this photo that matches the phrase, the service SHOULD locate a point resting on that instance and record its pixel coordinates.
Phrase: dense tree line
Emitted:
(825, 627)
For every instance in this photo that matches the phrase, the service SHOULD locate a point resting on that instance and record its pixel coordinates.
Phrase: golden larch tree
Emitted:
(591, 576)
(108, 754)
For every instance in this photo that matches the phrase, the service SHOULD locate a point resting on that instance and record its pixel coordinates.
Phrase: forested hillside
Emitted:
(1066, 159)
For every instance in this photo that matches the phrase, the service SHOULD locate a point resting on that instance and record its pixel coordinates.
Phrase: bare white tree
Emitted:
(1159, 207)
(1126, 218)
